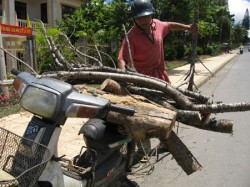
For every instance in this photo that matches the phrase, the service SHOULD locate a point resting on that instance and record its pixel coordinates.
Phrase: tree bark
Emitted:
(194, 53)
(113, 87)
(149, 120)
(180, 98)
(191, 118)
(181, 154)
(195, 119)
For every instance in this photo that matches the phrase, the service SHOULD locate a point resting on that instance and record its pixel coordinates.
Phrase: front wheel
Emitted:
(130, 154)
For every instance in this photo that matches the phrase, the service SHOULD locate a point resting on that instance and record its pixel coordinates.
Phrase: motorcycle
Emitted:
(32, 159)
(241, 50)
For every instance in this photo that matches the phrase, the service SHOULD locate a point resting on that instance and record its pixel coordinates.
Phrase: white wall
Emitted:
(54, 8)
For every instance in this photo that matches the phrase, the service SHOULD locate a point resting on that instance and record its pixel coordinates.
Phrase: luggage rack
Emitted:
(22, 161)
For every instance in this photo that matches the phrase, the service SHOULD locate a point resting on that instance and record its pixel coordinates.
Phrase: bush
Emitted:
(208, 50)
(199, 51)
(170, 53)
(180, 50)
(9, 102)
(217, 49)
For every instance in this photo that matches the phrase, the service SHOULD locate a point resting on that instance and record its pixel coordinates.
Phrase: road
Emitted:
(225, 157)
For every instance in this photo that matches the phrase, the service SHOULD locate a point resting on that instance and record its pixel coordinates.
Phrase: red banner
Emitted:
(16, 30)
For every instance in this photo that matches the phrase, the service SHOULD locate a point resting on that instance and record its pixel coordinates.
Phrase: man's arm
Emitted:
(179, 26)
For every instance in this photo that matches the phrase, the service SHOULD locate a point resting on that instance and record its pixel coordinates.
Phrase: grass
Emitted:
(8, 110)
(178, 63)
(175, 64)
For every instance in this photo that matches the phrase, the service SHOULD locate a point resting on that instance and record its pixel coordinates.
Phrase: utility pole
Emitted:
(3, 75)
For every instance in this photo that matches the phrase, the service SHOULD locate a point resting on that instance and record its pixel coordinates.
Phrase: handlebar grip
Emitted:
(15, 71)
(123, 110)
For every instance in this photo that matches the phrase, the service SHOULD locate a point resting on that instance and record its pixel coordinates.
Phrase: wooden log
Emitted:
(153, 95)
(222, 125)
(113, 87)
(187, 117)
(199, 98)
(181, 154)
(195, 119)
(151, 121)
(222, 107)
(165, 87)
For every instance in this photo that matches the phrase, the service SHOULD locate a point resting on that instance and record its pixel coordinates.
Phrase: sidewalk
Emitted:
(202, 74)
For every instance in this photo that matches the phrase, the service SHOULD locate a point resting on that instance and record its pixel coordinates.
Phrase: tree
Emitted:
(239, 33)
(245, 24)
(245, 21)
(97, 20)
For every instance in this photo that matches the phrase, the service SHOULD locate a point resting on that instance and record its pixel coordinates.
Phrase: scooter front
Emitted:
(52, 102)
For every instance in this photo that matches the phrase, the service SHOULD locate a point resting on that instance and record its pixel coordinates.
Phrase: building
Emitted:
(45, 10)
(14, 16)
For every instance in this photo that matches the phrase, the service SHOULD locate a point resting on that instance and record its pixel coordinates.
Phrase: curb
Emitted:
(204, 71)
(199, 82)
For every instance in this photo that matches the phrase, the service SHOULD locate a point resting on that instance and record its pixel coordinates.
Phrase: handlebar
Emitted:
(15, 71)
(74, 102)
(122, 110)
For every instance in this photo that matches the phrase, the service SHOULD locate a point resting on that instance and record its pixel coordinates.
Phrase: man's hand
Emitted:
(193, 28)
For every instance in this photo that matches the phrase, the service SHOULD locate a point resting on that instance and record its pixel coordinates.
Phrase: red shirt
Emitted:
(148, 56)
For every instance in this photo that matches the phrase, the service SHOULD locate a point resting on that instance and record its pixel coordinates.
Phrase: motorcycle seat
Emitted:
(93, 129)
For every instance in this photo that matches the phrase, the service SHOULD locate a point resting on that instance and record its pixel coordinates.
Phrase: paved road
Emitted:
(225, 158)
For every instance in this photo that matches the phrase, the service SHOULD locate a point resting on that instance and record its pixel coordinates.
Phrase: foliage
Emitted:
(97, 21)
(170, 53)
(245, 21)
(180, 50)
(239, 33)
(206, 31)
(101, 22)
(44, 56)
(208, 50)
(199, 51)
(245, 24)
(213, 49)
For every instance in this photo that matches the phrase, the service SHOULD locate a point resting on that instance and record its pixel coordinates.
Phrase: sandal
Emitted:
(144, 159)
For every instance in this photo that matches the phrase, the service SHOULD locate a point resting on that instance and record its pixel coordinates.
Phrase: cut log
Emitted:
(177, 96)
(192, 118)
(113, 87)
(195, 119)
(153, 95)
(222, 125)
(181, 154)
(150, 119)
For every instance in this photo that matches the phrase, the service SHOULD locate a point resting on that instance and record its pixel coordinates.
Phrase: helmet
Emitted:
(141, 8)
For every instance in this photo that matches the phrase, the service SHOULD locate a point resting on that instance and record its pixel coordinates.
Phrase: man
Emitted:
(146, 41)
(146, 45)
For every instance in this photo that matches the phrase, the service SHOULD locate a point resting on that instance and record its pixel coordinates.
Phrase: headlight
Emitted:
(38, 101)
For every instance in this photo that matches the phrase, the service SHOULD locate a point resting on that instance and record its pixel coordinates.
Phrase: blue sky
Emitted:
(238, 7)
